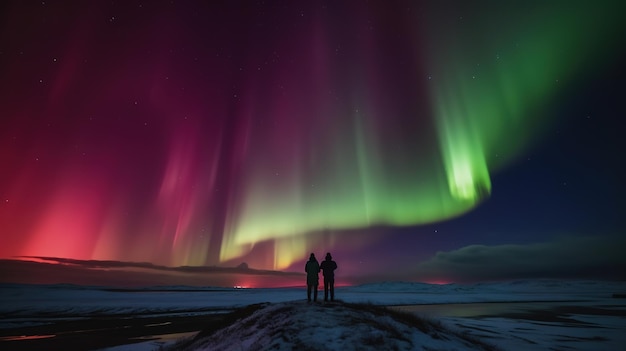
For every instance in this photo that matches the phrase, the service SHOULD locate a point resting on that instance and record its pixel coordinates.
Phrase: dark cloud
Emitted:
(241, 268)
(580, 257)
(52, 270)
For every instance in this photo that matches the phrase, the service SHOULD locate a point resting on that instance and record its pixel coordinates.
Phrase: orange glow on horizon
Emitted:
(438, 281)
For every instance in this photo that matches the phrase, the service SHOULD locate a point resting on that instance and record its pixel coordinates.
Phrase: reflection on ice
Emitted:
(25, 337)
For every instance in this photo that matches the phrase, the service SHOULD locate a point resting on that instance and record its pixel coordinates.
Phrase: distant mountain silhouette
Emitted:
(242, 268)
(56, 270)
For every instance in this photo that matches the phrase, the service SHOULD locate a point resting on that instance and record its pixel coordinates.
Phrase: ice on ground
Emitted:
(23, 299)
(478, 310)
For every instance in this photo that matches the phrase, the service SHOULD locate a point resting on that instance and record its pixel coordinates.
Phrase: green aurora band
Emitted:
(490, 81)
(489, 105)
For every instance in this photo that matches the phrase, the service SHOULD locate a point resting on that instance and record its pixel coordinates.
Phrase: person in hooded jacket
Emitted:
(329, 266)
(312, 269)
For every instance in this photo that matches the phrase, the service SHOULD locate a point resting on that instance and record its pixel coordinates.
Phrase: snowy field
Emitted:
(519, 315)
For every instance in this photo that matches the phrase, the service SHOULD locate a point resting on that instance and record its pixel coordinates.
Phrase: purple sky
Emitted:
(215, 133)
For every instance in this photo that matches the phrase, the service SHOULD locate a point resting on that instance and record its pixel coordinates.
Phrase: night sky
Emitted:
(426, 141)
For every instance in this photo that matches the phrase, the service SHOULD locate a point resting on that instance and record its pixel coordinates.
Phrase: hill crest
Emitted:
(298, 325)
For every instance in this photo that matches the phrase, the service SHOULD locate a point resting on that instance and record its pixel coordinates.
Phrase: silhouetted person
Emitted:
(329, 266)
(312, 269)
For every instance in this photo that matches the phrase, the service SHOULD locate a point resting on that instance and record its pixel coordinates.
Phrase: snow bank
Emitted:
(335, 326)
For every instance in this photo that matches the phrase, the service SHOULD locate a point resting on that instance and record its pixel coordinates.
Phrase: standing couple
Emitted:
(312, 269)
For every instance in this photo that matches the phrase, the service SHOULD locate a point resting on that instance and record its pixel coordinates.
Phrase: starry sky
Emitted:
(433, 141)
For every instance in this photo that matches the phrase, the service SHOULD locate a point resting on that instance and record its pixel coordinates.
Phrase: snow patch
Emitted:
(336, 326)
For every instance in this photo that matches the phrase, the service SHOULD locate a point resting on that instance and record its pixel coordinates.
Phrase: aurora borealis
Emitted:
(214, 133)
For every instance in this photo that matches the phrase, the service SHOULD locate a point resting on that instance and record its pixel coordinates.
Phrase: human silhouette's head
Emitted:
(328, 256)
(312, 257)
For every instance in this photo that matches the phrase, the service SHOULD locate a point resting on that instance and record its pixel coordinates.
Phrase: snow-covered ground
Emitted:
(299, 325)
(518, 315)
